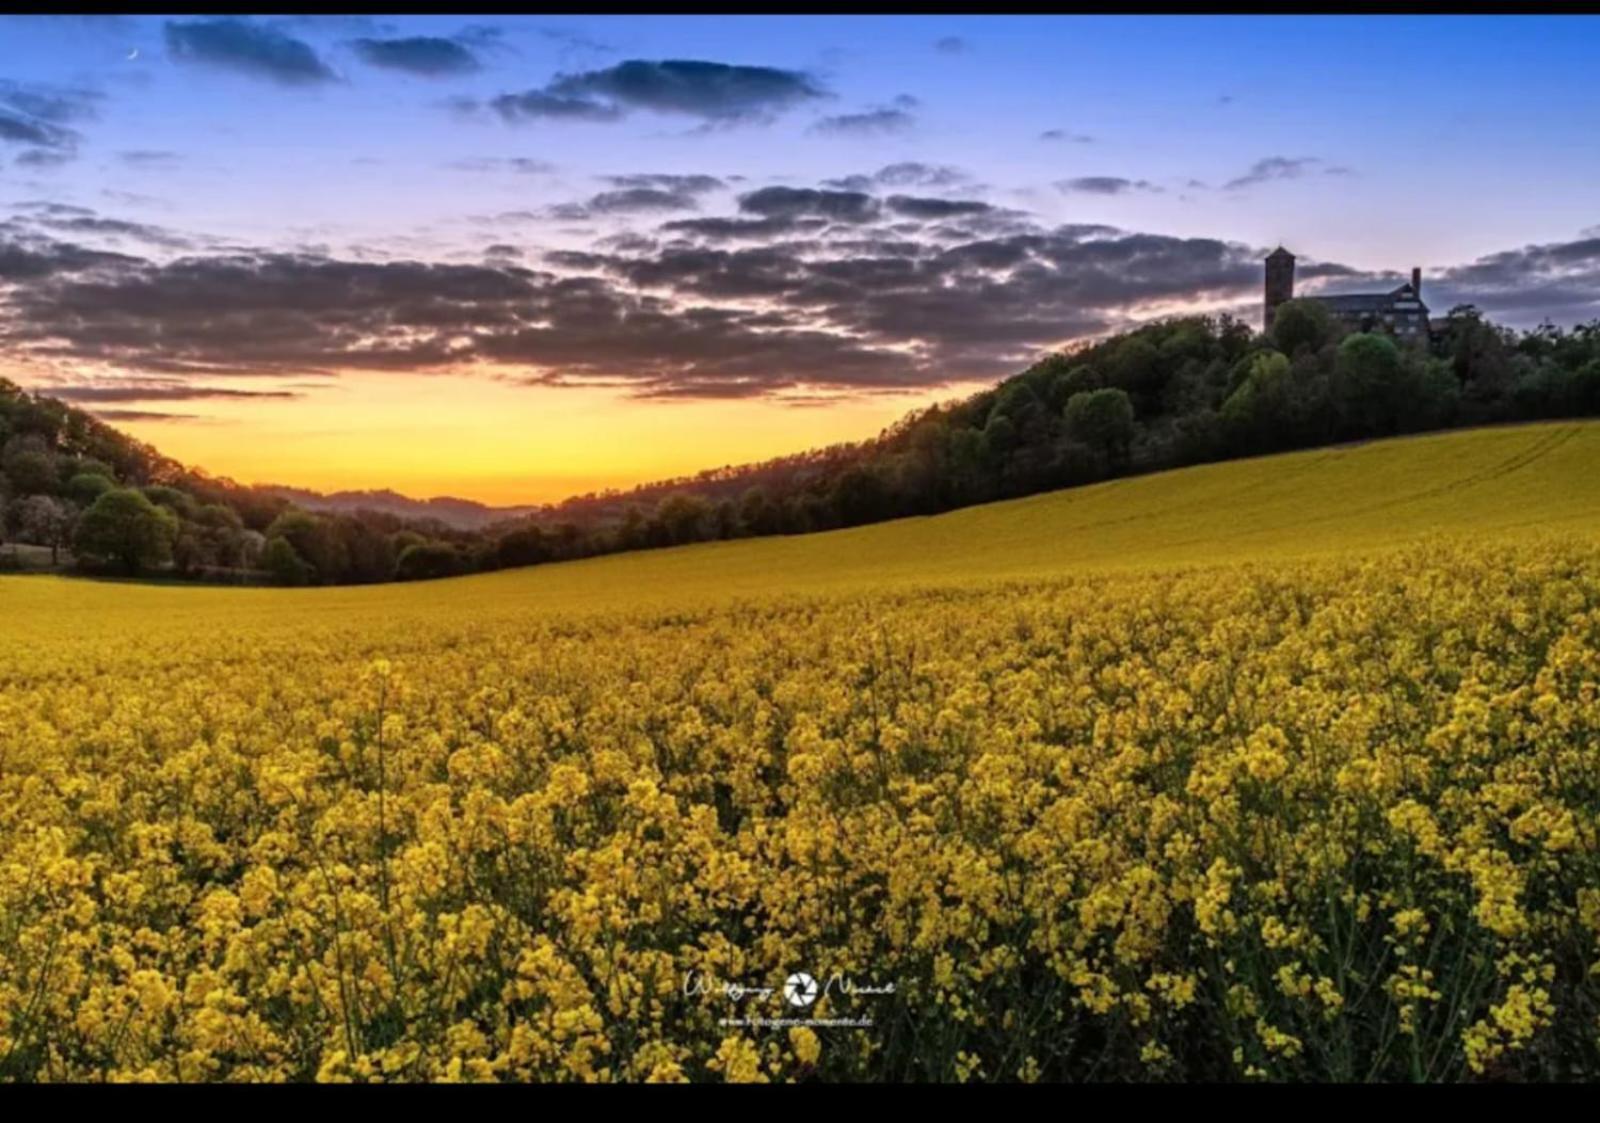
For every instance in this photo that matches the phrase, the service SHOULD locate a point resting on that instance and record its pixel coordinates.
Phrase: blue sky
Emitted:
(1441, 120)
(971, 191)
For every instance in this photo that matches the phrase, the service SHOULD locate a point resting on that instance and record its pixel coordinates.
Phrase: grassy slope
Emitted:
(1484, 482)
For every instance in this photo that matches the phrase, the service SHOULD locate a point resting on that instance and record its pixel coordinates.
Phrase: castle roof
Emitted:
(1357, 303)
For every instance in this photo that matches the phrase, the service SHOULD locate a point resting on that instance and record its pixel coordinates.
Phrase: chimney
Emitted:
(1416, 281)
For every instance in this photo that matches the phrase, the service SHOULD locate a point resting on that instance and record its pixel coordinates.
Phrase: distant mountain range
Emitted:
(463, 514)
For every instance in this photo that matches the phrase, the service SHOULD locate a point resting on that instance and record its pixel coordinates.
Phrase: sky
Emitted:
(519, 258)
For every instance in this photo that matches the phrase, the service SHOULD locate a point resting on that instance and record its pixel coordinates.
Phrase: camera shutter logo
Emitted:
(800, 989)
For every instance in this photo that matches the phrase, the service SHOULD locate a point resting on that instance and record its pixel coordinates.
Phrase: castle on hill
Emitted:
(1400, 312)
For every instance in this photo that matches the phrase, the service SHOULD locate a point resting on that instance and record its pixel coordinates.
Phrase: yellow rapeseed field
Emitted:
(1279, 769)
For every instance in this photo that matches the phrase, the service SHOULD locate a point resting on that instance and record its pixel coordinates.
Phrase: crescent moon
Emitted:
(133, 54)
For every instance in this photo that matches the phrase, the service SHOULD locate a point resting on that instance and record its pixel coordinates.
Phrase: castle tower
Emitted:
(1280, 284)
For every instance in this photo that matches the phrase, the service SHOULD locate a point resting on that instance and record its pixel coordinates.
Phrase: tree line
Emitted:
(1180, 391)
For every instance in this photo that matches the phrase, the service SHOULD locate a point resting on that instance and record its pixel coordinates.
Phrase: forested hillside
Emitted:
(1174, 392)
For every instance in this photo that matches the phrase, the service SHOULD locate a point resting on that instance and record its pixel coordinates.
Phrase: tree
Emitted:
(634, 531)
(1135, 366)
(48, 521)
(1017, 402)
(964, 475)
(1278, 404)
(124, 528)
(221, 535)
(1072, 380)
(999, 438)
(191, 552)
(1479, 353)
(522, 546)
(1367, 387)
(404, 538)
(1584, 388)
(86, 487)
(1103, 420)
(428, 560)
(315, 540)
(684, 515)
(252, 548)
(31, 465)
(69, 466)
(1302, 324)
(286, 566)
(1434, 396)
(365, 551)
(861, 496)
(1254, 414)
(757, 513)
(178, 502)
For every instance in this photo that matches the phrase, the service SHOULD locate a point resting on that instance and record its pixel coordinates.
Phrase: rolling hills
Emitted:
(1477, 483)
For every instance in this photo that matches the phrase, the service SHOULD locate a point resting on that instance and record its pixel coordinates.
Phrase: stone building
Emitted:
(1400, 312)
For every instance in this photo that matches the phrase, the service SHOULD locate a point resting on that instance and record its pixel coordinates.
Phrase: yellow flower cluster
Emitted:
(1326, 819)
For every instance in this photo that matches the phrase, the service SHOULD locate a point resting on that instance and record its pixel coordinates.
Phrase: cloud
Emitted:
(142, 415)
(710, 90)
(522, 165)
(715, 92)
(574, 40)
(1066, 135)
(38, 116)
(917, 207)
(158, 392)
(1272, 168)
(691, 184)
(133, 198)
(952, 45)
(54, 209)
(426, 55)
(971, 311)
(869, 314)
(116, 229)
(638, 200)
(31, 258)
(44, 158)
(907, 173)
(49, 103)
(911, 173)
(721, 229)
(793, 202)
(1558, 280)
(799, 293)
(641, 193)
(149, 158)
(874, 122)
(1104, 185)
(248, 47)
(17, 129)
(537, 104)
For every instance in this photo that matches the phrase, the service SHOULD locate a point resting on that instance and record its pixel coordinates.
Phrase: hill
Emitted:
(1166, 394)
(1482, 484)
(463, 514)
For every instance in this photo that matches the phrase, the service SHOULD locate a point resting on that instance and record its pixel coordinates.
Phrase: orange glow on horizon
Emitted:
(489, 440)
